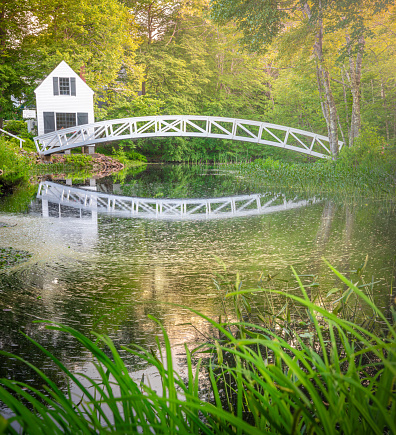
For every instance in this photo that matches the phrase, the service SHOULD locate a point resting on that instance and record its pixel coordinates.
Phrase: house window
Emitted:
(65, 120)
(64, 86)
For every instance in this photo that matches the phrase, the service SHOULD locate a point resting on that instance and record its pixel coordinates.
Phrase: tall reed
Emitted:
(336, 377)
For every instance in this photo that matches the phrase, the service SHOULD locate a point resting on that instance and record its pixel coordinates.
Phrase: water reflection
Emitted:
(90, 200)
(105, 272)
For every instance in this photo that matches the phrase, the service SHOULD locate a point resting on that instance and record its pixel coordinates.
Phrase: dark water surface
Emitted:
(105, 273)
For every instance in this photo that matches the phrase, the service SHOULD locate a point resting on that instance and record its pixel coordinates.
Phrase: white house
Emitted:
(63, 100)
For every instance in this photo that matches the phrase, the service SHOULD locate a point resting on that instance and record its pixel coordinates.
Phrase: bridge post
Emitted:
(88, 149)
(44, 207)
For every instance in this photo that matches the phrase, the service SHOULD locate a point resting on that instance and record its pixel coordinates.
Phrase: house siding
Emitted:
(46, 101)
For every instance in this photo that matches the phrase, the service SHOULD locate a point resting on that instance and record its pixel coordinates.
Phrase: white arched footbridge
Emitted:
(167, 209)
(185, 125)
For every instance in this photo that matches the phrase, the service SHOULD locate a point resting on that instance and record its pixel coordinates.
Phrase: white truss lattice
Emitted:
(183, 125)
(170, 209)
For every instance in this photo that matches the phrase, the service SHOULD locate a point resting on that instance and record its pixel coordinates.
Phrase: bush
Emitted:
(369, 150)
(127, 156)
(79, 160)
(135, 156)
(19, 128)
(14, 167)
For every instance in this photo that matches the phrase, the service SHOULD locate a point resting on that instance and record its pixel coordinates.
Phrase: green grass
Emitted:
(321, 177)
(335, 377)
(366, 169)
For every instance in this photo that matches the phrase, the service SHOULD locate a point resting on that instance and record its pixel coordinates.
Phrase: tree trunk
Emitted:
(394, 123)
(332, 127)
(355, 71)
(385, 109)
(345, 100)
(324, 84)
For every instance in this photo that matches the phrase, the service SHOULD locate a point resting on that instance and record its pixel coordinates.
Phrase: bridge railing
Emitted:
(186, 125)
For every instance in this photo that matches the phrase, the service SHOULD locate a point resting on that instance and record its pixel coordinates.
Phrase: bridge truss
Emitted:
(167, 209)
(185, 125)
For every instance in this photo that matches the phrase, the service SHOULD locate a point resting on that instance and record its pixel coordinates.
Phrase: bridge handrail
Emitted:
(16, 137)
(82, 135)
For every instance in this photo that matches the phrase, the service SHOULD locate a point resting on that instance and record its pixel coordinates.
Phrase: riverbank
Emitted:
(321, 177)
(18, 166)
(368, 169)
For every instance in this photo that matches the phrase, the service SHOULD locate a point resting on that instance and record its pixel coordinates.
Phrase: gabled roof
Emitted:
(63, 70)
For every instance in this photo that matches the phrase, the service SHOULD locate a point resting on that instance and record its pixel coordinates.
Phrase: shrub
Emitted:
(79, 160)
(19, 128)
(135, 156)
(127, 156)
(369, 150)
(14, 167)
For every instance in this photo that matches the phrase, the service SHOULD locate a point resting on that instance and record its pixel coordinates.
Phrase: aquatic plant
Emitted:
(10, 257)
(343, 176)
(334, 377)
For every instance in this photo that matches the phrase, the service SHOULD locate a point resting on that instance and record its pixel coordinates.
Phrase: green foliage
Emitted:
(97, 40)
(101, 39)
(79, 160)
(75, 167)
(185, 63)
(14, 167)
(22, 196)
(127, 156)
(197, 68)
(344, 177)
(333, 376)
(19, 128)
(260, 22)
(16, 71)
(135, 156)
(368, 151)
(133, 107)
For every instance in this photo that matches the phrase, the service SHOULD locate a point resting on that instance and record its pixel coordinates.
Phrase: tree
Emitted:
(194, 67)
(154, 18)
(378, 76)
(263, 22)
(197, 68)
(98, 39)
(17, 23)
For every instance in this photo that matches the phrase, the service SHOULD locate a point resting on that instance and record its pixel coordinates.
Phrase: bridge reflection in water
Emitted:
(165, 209)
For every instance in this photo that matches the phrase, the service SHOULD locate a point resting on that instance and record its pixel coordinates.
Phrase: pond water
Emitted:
(106, 272)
